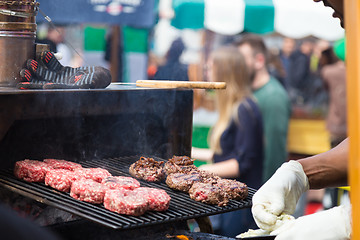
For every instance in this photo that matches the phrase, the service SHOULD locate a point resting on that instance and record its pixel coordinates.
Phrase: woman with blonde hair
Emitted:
(236, 140)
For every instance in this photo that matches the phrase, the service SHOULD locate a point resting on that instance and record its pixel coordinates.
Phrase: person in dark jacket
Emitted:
(288, 47)
(299, 71)
(173, 69)
(236, 140)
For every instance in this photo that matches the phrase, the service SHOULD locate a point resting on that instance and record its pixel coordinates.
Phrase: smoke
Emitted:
(79, 125)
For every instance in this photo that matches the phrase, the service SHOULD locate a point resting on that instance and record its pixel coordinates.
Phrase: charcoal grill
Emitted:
(108, 128)
(181, 206)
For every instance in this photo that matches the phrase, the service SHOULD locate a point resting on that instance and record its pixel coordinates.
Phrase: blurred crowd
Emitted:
(267, 85)
(310, 71)
(270, 79)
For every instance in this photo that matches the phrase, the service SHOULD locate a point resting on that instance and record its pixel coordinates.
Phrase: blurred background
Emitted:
(135, 39)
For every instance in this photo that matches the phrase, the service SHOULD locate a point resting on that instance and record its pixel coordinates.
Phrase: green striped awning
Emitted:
(292, 18)
(189, 14)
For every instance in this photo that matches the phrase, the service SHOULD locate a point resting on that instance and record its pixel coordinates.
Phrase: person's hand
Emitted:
(279, 195)
(281, 220)
(334, 223)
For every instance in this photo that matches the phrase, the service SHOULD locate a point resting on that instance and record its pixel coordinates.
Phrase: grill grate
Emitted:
(181, 206)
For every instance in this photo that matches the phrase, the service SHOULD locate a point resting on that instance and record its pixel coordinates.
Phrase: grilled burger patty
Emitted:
(147, 169)
(233, 189)
(204, 186)
(181, 160)
(208, 193)
(174, 168)
(216, 190)
(179, 164)
(183, 181)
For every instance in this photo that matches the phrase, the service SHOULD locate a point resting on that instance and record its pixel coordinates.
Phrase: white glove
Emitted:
(281, 220)
(334, 223)
(279, 195)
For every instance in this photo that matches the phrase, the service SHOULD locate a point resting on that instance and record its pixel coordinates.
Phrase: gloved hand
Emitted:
(54, 75)
(334, 223)
(279, 195)
(281, 220)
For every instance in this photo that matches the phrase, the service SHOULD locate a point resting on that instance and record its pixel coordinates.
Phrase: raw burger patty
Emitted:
(121, 182)
(62, 164)
(147, 169)
(125, 202)
(31, 170)
(158, 199)
(88, 190)
(60, 179)
(96, 174)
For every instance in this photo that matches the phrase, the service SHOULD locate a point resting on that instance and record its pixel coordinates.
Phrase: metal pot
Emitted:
(17, 38)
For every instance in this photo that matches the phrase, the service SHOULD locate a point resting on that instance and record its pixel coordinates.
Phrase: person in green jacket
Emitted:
(272, 99)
